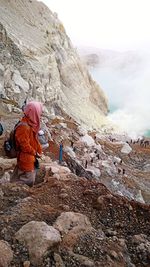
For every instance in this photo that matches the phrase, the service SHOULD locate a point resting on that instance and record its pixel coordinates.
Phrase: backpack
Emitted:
(10, 143)
(1, 129)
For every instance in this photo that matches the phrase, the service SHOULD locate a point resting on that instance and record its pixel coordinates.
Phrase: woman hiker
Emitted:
(27, 144)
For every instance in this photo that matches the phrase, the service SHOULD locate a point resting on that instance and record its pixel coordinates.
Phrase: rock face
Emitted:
(38, 61)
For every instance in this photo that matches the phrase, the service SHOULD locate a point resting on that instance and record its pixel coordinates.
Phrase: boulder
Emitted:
(68, 220)
(126, 149)
(95, 172)
(76, 167)
(116, 159)
(109, 167)
(88, 140)
(5, 178)
(38, 237)
(6, 254)
(54, 167)
(6, 163)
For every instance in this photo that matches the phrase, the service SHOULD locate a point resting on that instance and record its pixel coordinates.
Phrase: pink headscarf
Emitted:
(33, 111)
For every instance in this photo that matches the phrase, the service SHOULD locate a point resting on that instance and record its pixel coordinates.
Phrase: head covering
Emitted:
(33, 111)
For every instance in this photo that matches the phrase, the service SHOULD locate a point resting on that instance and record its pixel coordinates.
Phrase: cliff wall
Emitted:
(38, 61)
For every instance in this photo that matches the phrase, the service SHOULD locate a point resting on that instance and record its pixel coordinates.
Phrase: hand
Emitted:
(38, 156)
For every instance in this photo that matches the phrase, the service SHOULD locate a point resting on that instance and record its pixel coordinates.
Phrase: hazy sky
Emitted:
(108, 24)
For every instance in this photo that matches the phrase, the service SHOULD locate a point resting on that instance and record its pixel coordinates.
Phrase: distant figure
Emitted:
(146, 143)
(72, 143)
(2, 96)
(86, 164)
(24, 104)
(60, 153)
(1, 129)
(141, 142)
(119, 171)
(98, 156)
(74, 149)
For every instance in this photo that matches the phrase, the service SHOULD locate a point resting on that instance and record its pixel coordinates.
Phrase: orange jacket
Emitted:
(27, 146)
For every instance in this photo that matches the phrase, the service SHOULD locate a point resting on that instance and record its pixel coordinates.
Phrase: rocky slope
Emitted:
(38, 61)
(86, 214)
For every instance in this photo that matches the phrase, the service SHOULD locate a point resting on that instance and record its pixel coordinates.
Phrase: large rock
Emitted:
(53, 168)
(88, 140)
(38, 237)
(69, 220)
(95, 172)
(6, 163)
(76, 167)
(109, 167)
(6, 254)
(5, 178)
(38, 61)
(72, 225)
(126, 149)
